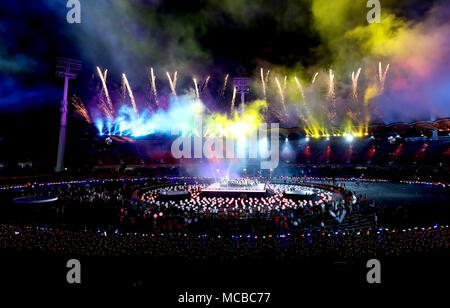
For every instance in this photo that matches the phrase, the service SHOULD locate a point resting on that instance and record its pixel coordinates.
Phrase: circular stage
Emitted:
(227, 200)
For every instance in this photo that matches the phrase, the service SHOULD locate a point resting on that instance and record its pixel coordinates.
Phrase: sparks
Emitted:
(224, 85)
(314, 77)
(355, 83)
(105, 90)
(155, 94)
(382, 76)
(233, 99)
(130, 94)
(171, 83)
(196, 88)
(281, 94)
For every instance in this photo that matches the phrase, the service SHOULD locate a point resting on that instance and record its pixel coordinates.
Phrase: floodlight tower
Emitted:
(68, 69)
(241, 85)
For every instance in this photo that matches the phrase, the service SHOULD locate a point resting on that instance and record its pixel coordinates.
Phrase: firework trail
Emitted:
(130, 94)
(172, 85)
(196, 89)
(285, 84)
(205, 84)
(300, 89)
(123, 89)
(382, 76)
(267, 77)
(355, 83)
(331, 84)
(314, 77)
(105, 89)
(80, 109)
(332, 96)
(175, 76)
(155, 93)
(281, 95)
(224, 85)
(233, 100)
(263, 84)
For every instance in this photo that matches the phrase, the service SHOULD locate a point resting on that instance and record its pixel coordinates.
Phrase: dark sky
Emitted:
(194, 37)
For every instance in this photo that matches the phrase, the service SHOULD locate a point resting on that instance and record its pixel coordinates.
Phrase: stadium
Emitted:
(316, 160)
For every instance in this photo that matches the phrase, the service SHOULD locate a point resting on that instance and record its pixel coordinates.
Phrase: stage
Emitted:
(220, 190)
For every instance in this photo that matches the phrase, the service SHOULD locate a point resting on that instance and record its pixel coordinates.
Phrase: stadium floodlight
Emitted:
(67, 68)
(349, 137)
(241, 86)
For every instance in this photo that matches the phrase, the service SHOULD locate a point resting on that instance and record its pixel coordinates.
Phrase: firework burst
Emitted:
(80, 109)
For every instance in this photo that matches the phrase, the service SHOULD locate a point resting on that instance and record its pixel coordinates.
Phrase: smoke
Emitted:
(219, 37)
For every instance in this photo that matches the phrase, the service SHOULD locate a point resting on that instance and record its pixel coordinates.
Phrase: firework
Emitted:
(105, 109)
(355, 83)
(172, 84)
(267, 77)
(205, 84)
(224, 85)
(175, 75)
(300, 89)
(123, 89)
(155, 93)
(233, 99)
(382, 76)
(263, 84)
(80, 109)
(332, 97)
(314, 77)
(196, 88)
(105, 89)
(331, 83)
(130, 94)
(281, 94)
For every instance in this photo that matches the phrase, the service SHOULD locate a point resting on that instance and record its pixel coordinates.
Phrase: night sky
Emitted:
(215, 37)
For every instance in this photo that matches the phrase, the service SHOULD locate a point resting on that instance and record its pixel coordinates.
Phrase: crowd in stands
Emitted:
(141, 224)
(255, 246)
